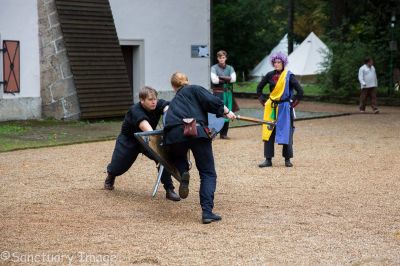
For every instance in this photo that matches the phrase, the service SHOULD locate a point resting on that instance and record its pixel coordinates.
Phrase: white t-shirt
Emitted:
(367, 77)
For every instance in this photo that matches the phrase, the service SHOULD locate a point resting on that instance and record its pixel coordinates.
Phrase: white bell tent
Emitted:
(306, 61)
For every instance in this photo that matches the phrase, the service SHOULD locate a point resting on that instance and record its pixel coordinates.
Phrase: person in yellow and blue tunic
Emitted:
(279, 107)
(222, 77)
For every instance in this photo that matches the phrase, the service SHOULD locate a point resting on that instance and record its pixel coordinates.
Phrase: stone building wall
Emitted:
(58, 93)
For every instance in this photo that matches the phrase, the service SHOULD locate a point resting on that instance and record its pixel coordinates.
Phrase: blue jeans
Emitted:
(204, 158)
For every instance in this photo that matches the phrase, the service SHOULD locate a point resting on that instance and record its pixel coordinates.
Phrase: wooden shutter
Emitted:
(11, 66)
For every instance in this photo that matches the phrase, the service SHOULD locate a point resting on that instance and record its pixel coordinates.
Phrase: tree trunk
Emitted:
(290, 25)
(338, 12)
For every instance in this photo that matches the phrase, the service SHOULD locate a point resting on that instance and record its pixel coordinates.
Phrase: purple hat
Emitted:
(281, 56)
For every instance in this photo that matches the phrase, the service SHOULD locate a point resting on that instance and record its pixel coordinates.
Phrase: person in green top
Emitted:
(222, 77)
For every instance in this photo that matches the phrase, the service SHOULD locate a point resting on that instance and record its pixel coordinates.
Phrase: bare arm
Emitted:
(145, 126)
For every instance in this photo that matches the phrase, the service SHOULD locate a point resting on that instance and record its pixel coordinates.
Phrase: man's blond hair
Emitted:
(147, 92)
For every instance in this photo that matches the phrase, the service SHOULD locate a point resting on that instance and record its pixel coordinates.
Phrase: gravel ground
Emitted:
(339, 204)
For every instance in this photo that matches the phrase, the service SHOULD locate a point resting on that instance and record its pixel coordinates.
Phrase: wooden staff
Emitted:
(256, 120)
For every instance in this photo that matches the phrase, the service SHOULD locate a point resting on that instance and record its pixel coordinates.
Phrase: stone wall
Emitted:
(58, 93)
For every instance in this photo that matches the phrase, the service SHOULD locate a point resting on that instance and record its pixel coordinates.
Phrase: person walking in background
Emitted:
(369, 84)
(142, 116)
(192, 101)
(222, 77)
(279, 107)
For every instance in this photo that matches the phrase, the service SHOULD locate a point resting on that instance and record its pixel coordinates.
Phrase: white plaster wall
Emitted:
(19, 21)
(168, 28)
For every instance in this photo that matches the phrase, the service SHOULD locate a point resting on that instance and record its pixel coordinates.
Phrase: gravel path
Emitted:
(339, 204)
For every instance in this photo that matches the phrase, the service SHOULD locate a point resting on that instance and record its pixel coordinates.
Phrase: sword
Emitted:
(270, 124)
(160, 172)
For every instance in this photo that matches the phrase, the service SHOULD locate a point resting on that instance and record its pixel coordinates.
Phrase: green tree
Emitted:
(310, 16)
(357, 31)
(247, 30)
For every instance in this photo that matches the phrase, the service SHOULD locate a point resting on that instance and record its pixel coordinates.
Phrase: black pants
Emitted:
(287, 149)
(204, 158)
(125, 153)
(224, 130)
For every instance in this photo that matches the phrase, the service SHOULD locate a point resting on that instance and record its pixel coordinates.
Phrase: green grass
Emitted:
(17, 135)
(251, 87)
(313, 90)
(12, 129)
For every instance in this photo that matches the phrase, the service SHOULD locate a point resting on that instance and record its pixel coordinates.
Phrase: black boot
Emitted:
(288, 163)
(210, 217)
(171, 195)
(109, 182)
(184, 185)
(266, 163)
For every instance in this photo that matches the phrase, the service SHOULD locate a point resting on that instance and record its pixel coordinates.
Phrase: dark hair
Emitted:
(367, 59)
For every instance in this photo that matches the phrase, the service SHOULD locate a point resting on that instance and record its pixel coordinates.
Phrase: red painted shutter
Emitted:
(11, 66)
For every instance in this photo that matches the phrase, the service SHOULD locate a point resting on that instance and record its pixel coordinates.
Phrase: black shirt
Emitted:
(137, 114)
(191, 101)
(269, 79)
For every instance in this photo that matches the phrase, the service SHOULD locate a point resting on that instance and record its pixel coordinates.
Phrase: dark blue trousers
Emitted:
(204, 158)
(125, 153)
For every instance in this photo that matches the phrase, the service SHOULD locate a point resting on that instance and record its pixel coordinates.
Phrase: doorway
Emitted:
(133, 53)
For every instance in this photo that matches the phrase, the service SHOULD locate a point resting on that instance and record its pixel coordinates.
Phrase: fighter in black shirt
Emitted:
(142, 116)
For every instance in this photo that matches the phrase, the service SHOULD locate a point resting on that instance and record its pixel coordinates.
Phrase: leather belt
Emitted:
(217, 89)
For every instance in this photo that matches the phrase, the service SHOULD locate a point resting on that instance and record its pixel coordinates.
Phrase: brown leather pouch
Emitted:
(189, 127)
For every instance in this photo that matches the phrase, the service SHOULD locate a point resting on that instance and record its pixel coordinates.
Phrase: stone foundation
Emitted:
(20, 109)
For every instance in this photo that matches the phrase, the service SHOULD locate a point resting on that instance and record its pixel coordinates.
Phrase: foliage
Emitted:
(249, 29)
(364, 32)
(310, 16)
(341, 75)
